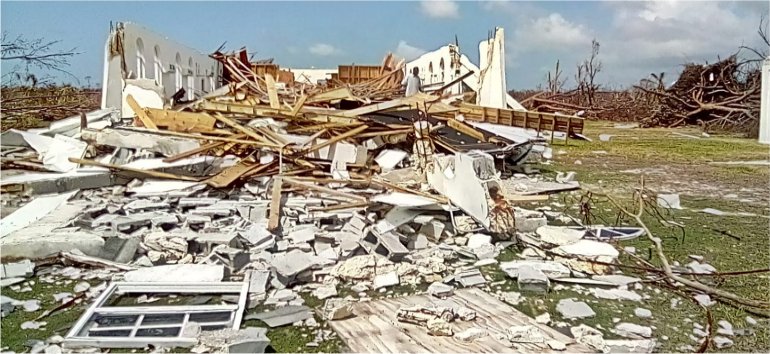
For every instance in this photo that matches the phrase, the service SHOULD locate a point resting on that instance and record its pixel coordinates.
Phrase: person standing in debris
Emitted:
(412, 82)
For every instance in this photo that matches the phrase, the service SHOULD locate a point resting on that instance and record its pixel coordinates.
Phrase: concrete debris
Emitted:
(531, 279)
(559, 235)
(751, 321)
(337, 309)
(440, 290)
(31, 305)
(641, 346)
(590, 337)
(642, 313)
(617, 279)
(571, 309)
(21, 269)
(551, 269)
(616, 294)
(385, 280)
(556, 345)
(177, 273)
(32, 325)
(7, 305)
(634, 331)
(669, 201)
(511, 297)
(722, 342)
(284, 315)
(470, 278)
(325, 291)
(525, 334)
(704, 300)
(471, 334)
(544, 318)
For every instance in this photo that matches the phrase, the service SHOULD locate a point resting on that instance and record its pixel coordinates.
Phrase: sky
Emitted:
(636, 38)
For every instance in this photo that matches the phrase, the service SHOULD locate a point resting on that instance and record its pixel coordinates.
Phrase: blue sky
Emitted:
(636, 38)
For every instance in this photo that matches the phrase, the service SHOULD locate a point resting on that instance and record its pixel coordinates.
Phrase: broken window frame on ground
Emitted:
(78, 335)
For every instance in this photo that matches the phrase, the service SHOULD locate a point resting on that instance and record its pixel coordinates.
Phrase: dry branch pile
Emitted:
(724, 95)
(25, 107)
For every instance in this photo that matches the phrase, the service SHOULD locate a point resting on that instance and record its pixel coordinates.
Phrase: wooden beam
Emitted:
(195, 151)
(298, 105)
(234, 139)
(182, 121)
(140, 113)
(375, 107)
(229, 175)
(299, 183)
(272, 92)
(335, 139)
(233, 124)
(135, 170)
(275, 204)
(466, 129)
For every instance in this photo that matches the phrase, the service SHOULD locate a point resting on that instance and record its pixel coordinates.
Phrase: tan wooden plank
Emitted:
(375, 330)
(181, 121)
(272, 92)
(140, 113)
(298, 105)
(229, 175)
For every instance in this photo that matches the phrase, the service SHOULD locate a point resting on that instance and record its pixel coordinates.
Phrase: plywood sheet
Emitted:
(374, 329)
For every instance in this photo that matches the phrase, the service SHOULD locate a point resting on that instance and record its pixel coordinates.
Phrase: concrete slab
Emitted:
(186, 273)
(283, 315)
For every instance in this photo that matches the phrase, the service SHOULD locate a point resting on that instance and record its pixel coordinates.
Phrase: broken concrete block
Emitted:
(669, 201)
(185, 273)
(529, 221)
(7, 305)
(531, 279)
(258, 281)
(293, 263)
(417, 242)
(704, 300)
(545, 318)
(385, 244)
(385, 280)
(478, 240)
(553, 270)
(21, 269)
(337, 309)
(470, 278)
(642, 313)
(571, 309)
(631, 330)
(556, 345)
(302, 233)
(590, 337)
(284, 315)
(250, 340)
(325, 291)
(440, 290)
(432, 230)
(558, 235)
(120, 249)
(701, 267)
(525, 334)
(562, 177)
(722, 342)
(615, 294)
(751, 321)
(617, 279)
(471, 334)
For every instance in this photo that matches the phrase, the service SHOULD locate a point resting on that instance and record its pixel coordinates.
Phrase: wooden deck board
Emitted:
(374, 329)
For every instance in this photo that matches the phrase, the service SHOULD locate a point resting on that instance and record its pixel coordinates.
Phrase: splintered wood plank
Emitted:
(374, 329)
(140, 113)
(229, 175)
(272, 92)
(181, 121)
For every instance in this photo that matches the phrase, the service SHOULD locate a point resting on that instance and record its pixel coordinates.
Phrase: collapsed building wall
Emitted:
(446, 65)
(160, 64)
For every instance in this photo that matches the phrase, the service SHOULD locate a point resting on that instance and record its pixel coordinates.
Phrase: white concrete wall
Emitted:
(149, 55)
(764, 110)
(492, 91)
(436, 69)
(437, 77)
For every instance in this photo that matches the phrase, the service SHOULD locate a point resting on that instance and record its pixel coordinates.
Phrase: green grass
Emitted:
(684, 162)
(14, 338)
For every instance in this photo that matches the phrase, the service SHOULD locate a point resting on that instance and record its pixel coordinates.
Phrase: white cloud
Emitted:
(408, 52)
(440, 8)
(636, 38)
(323, 49)
(551, 32)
